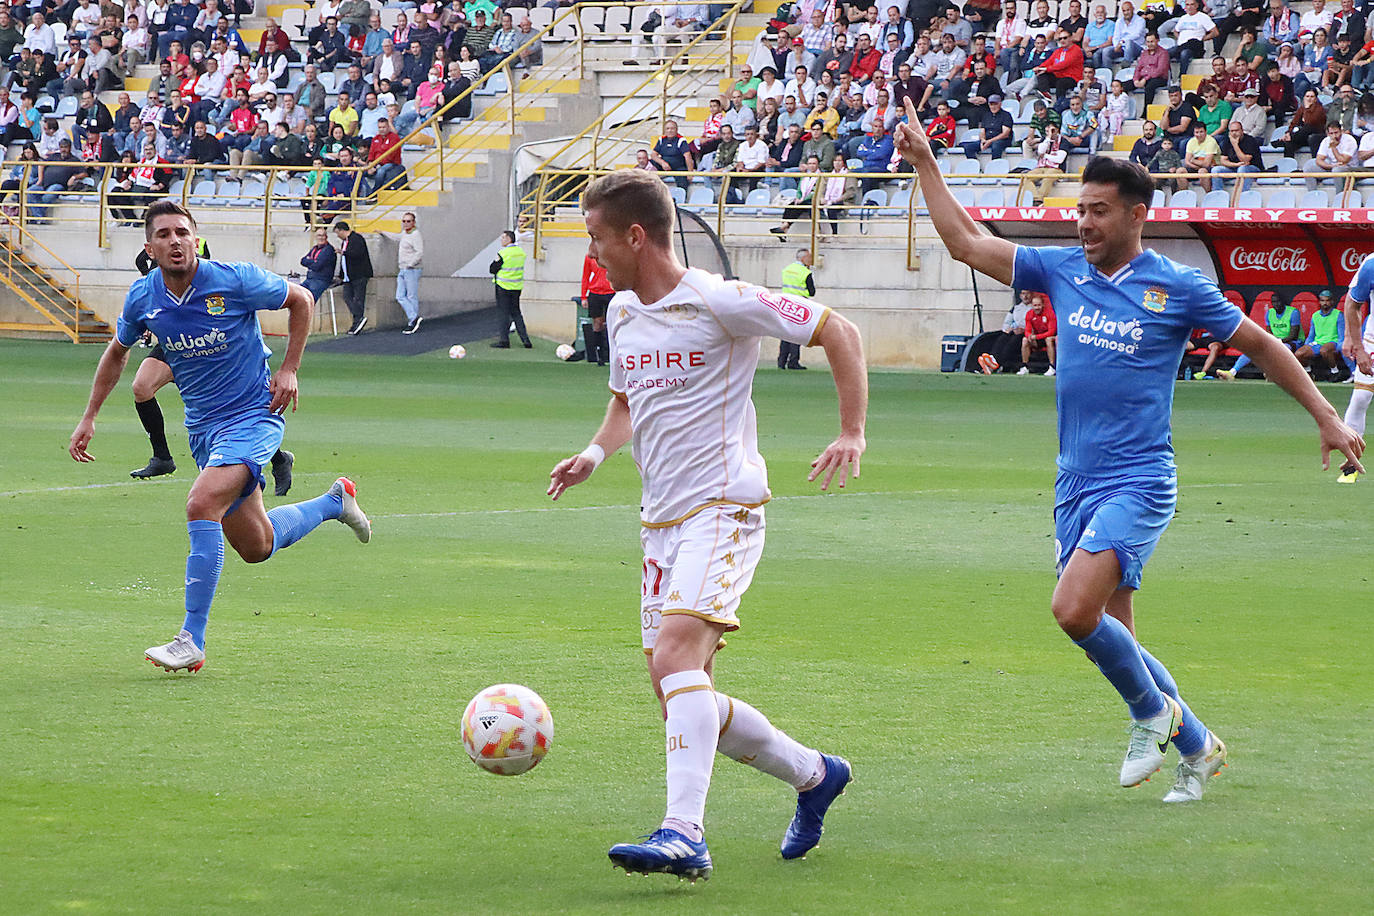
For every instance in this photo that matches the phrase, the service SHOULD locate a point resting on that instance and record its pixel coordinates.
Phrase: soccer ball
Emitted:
(457, 351)
(507, 729)
(564, 352)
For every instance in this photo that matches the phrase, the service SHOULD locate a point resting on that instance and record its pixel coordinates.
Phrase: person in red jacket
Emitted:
(384, 152)
(866, 60)
(596, 293)
(1041, 333)
(1063, 69)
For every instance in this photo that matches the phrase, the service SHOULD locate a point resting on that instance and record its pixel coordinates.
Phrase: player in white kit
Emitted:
(684, 347)
(1358, 346)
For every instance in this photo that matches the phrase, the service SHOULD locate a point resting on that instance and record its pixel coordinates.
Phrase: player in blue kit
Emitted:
(205, 314)
(1125, 316)
(1357, 346)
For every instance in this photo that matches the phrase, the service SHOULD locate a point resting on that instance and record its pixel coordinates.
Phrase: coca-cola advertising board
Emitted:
(1260, 262)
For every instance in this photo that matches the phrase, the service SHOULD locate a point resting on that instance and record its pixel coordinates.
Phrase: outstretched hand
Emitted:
(840, 455)
(1336, 436)
(569, 473)
(81, 437)
(912, 142)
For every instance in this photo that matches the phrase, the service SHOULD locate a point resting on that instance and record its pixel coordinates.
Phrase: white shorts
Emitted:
(1360, 379)
(700, 567)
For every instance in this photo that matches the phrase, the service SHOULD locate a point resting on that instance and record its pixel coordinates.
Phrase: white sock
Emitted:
(746, 735)
(1359, 406)
(691, 728)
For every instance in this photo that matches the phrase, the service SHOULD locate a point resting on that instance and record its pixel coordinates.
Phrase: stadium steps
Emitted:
(62, 308)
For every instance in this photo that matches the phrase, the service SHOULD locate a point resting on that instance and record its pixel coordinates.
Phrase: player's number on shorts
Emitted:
(653, 579)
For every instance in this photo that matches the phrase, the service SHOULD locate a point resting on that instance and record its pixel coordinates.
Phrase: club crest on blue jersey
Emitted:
(1154, 300)
(214, 305)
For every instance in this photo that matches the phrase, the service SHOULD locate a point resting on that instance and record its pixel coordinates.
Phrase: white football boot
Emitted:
(1191, 776)
(1149, 743)
(180, 653)
(351, 515)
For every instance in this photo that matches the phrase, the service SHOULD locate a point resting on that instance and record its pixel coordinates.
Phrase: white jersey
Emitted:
(685, 365)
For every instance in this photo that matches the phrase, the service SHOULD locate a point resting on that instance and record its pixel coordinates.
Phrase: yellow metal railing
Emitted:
(54, 289)
(556, 207)
(1344, 181)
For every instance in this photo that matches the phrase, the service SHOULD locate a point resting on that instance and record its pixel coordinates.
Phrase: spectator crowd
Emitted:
(342, 95)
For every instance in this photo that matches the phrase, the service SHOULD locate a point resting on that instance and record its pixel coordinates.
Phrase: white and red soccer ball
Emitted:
(507, 729)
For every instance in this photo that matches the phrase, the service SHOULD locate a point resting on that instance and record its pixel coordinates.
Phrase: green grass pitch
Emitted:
(315, 766)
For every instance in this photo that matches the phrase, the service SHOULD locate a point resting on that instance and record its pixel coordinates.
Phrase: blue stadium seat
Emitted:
(1283, 165)
(1217, 198)
(1250, 198)
(1284, 197)
(202, 193)
(1185, 198)
(757, 198)
(679, 195)
(253, 191)
(1316, 198)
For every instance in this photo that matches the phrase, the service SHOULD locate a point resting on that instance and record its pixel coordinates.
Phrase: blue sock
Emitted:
(293, 522)
(1192, 734)
(203, 566)
(1241, 362)
(1115, 652)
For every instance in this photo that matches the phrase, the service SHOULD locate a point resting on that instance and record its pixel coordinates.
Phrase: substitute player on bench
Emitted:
(205, 314)
(1124, 316)
(684, 347)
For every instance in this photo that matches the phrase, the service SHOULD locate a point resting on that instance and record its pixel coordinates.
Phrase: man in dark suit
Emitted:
(355, 268)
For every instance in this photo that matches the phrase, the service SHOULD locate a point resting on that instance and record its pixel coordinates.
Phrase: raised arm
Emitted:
(614, 432)
(965, 239)
(1284, 370)
(844, 351)
(107, 374)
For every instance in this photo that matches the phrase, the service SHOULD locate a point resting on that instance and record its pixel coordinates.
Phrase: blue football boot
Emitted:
(666, 851)
(805, 830)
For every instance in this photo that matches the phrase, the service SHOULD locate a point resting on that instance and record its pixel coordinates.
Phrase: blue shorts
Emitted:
(1127, 515)
(250, 439)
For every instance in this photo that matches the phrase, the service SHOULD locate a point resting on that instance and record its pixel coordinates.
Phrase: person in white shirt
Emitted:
(801, 87)
(227, 57)
(944, 61)
(209, 86)
(1318, 17)
(752, 157)
(85, 19)
(38, 35)
(1190, 31)
(1010, 39)
(1128, 38)
(1336, 154)
(685, 345)
(133, 46)
(410, 254)
(769, 87)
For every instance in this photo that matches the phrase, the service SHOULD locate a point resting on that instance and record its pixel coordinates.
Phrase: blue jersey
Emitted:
(210, 335)
(1363, 281)
(1120, 342)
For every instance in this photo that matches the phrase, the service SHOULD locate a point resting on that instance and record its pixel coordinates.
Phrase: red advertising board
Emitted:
(1258, 261)
(1255, 251)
